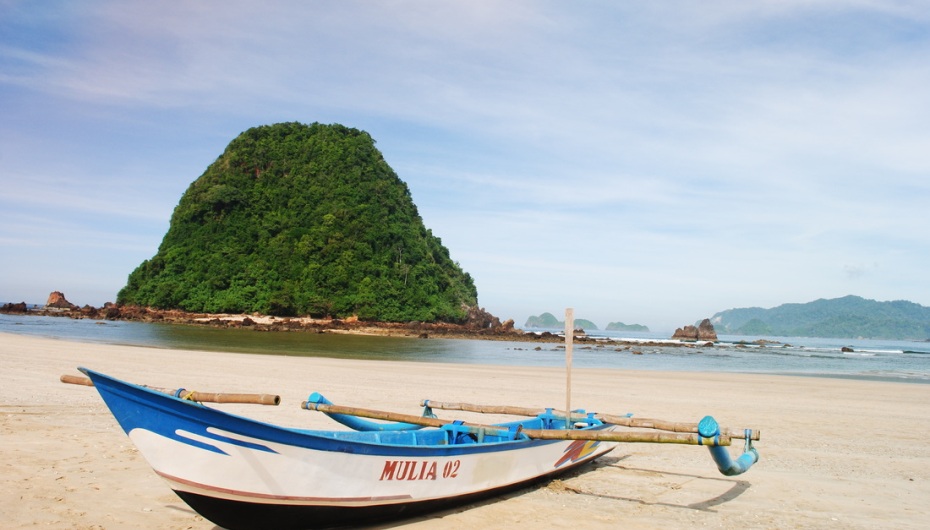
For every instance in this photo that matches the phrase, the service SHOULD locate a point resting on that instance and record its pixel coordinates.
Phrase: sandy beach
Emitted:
(835, 453)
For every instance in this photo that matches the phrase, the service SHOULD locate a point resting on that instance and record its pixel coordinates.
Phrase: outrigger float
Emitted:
(243, 474)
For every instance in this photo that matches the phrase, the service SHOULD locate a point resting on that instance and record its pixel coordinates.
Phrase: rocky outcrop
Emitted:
(483, 325)
(477, 318)
(14, 308)
(57, 300)
(704, 331)
(480, 323)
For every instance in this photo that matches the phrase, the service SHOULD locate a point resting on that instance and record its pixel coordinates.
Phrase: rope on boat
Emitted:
(180, 394)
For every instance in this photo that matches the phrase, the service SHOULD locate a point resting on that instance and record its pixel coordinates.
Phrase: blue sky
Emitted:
(644, 162)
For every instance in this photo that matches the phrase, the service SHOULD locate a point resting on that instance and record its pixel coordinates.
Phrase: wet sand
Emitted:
(835, 453)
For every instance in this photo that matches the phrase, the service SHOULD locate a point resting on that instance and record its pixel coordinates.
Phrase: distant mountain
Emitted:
(548, 321)
(581, 323)
(846, 317)
(545, 320)
(620, 326)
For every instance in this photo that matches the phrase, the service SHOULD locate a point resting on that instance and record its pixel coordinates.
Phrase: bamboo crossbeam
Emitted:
(539, 434)
(202, 397)
(625, 421)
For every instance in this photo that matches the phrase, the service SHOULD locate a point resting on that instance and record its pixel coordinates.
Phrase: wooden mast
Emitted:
(569, 338)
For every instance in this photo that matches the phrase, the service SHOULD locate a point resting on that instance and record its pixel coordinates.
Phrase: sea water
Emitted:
(903, 361)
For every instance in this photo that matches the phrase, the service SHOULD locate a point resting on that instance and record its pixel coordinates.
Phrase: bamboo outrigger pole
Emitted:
(541, 434)
(624, 421)
(202, 397)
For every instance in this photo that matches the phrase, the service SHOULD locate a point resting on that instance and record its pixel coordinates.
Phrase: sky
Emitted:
(639, 162)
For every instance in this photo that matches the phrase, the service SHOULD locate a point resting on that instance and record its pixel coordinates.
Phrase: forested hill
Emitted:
(846, 317)
(548, 321)
(297, 219)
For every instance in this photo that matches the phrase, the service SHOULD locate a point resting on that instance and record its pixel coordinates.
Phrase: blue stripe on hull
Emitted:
(139, 407)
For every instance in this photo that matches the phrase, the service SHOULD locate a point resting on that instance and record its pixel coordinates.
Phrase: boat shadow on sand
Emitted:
(737, 487)
(558, 485)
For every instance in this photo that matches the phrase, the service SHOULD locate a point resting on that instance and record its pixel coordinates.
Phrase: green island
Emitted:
(296, 219)
(549, 321)
(545, 321)
(620, 326)
(846, 317)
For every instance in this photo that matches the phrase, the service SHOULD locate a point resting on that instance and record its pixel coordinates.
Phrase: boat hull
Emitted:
(239, 515)
(240, 473)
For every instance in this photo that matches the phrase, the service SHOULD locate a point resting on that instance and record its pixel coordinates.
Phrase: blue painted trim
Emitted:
(359, 424)
(139, 407)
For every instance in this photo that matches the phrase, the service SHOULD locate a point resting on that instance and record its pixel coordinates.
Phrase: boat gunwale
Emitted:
(310, 439)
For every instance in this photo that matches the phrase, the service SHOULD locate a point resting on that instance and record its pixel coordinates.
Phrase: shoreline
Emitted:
(488, 329)
(595, 350)
(485, 328)
(814, 375)
(67, 464)
(353, 326)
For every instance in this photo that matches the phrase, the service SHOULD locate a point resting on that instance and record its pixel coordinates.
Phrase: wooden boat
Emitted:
(240, 473)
